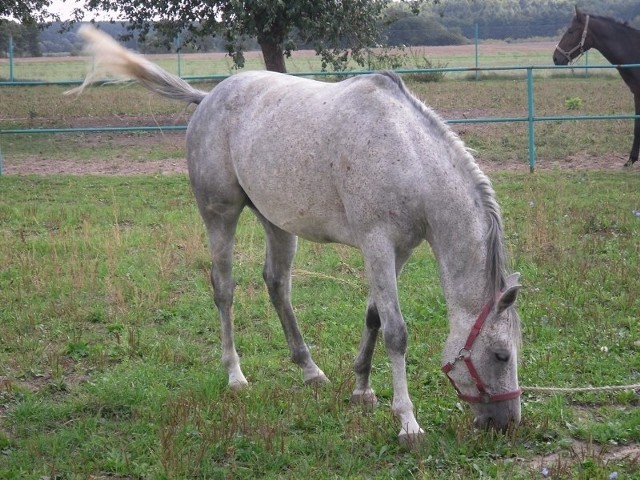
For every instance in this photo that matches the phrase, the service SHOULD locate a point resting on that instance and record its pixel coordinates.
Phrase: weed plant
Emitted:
(110, 347)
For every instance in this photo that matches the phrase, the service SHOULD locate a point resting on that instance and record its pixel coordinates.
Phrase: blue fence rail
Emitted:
(530, 118)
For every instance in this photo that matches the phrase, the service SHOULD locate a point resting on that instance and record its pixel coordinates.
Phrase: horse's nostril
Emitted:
(502, 356)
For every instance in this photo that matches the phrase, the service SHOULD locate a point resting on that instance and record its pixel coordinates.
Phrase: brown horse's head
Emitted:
(575, 41)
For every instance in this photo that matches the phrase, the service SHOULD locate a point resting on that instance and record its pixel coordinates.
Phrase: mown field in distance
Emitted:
(491, 54)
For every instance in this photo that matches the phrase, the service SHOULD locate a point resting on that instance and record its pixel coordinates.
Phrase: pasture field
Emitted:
(110, 343)
(109, 340)
(499, 144)
(496, 94)
(490, 54)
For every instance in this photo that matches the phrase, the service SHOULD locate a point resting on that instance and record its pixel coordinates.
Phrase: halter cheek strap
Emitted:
(579, 46)
(465, 355)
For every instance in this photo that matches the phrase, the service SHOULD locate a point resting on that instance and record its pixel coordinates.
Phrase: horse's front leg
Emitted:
(635, 148)
(281, 249)
(363, 393)
(380, 263)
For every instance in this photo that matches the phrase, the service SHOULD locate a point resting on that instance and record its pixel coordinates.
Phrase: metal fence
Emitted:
(530, 118)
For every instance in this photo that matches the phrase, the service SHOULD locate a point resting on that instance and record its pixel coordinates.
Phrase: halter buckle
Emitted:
(463, 354)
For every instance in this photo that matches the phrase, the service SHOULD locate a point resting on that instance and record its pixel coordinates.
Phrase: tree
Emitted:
(27, 11)
(336, 29)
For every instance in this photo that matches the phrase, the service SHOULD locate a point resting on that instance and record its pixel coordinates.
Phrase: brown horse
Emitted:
(618, 43)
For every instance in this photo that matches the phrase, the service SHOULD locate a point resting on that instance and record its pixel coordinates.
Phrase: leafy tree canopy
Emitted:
(336, 29)
(27, 12)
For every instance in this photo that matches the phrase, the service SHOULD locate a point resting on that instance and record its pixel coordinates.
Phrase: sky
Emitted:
(65, 9)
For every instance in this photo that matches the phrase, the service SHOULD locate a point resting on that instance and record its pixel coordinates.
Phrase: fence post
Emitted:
(530, 120)
(586, 63)
(476, 42)
(10, 58)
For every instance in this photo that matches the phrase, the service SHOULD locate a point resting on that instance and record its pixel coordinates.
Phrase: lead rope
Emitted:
(609, 388)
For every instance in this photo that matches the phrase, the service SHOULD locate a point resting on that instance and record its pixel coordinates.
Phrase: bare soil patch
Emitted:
(41, 165)
(579, 451)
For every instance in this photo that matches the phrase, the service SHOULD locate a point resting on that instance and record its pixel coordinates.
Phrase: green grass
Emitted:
(110, 344)
(490, 54)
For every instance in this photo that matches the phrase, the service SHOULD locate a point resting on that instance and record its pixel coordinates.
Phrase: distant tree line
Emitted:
(25, 39)
(447, 22)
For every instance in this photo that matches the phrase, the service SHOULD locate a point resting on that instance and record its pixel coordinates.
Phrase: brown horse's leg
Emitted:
(635, 148)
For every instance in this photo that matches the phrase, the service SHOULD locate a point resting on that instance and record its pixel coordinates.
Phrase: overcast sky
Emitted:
(65, 9)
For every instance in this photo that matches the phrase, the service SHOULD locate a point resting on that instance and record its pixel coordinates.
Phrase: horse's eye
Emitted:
(502, 356)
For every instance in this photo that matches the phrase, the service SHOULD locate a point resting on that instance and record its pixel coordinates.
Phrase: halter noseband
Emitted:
(465, 355)
(579, 46)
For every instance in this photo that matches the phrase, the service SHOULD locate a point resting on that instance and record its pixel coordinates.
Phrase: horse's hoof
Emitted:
(365, 398)
(238, 385)
(412, 440)
(318, 380)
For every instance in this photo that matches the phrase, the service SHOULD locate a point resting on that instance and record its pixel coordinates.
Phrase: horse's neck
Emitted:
(619, 45)
(461, 250)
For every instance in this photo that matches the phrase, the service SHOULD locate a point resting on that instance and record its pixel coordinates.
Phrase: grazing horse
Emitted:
(364, 163)
(618, 43)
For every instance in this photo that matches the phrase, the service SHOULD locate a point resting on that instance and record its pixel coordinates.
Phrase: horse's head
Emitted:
(484, 371)
(575, 41)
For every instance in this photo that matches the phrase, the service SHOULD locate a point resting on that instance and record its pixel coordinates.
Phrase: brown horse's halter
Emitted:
(465, 355)
(579, 46)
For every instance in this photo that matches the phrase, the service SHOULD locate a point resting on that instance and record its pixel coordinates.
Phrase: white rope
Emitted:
(610, 388)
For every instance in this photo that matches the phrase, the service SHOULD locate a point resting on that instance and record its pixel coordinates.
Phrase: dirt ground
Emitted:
(41, 165)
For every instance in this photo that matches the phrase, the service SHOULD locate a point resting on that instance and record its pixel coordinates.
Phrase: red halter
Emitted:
(465, 355)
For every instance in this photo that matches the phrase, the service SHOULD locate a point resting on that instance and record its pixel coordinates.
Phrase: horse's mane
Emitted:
(496, 265)
(618, 23)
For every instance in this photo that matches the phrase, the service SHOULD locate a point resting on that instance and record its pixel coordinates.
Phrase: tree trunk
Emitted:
(273, 55)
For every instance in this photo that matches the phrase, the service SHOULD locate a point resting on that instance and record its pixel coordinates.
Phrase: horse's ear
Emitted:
(510, 293)
(579, 13)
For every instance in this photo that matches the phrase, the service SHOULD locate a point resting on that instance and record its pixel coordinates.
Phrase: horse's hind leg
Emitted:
(281, 249)
(635, 148)
(221, 227)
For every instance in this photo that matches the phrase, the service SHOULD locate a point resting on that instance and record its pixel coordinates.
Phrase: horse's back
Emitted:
(320, 160)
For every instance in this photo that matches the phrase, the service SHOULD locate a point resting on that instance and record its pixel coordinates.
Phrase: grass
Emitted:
(490, 54)
(110, 345)
(456, 97)
(109, 342)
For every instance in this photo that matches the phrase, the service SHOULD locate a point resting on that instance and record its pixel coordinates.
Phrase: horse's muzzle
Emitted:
(498, 416)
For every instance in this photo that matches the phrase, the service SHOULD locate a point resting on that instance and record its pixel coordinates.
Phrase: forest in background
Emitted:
(448, 22)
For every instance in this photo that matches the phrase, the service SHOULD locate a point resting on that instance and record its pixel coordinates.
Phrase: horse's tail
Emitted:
(110, 58)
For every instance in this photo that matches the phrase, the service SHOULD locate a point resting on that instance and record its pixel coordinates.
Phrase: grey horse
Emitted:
(363, 163)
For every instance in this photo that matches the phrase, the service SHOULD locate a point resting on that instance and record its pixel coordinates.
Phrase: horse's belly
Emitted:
(318, 220)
